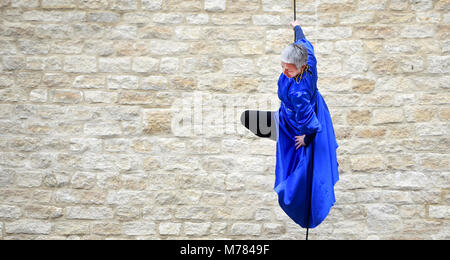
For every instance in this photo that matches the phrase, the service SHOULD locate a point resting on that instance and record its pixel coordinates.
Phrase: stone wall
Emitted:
(120, 118)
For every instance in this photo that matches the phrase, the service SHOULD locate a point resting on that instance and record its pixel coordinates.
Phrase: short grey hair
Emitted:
(296, 54)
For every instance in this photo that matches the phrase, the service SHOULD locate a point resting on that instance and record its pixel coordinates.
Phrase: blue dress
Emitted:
(305, 178)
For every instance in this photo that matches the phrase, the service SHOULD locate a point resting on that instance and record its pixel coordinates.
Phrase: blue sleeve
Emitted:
(301, 38)
(305, 117)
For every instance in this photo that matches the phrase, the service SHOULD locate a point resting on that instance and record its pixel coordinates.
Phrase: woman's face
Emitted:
(290, 70)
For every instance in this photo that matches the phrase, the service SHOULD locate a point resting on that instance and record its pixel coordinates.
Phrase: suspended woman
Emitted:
(306, 164)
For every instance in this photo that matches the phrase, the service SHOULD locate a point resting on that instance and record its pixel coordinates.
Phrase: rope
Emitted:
(295, 18)
(312, 145)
